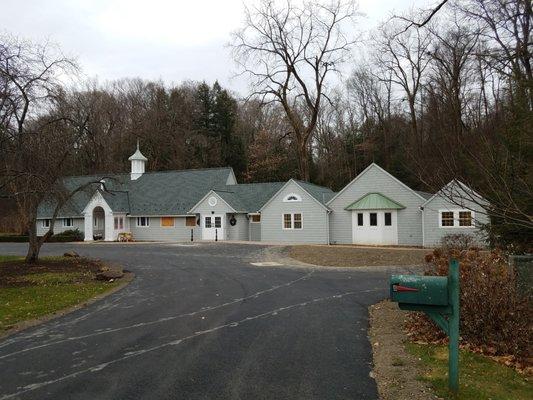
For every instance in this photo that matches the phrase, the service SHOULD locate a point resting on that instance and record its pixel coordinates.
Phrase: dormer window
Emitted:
(292, 197)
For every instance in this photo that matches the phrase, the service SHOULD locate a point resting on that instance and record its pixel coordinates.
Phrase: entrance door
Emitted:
(375, 227)
(212, 227)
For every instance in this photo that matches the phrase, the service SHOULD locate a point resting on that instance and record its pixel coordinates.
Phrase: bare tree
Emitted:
(402, 59)
(289, 52)
(36, 146)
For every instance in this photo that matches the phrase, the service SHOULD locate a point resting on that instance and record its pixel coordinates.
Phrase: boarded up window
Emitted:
(167, 221)
(190, 221)
(256, 218)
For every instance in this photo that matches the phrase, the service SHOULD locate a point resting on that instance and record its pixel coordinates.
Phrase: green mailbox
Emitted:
(419, 290)
(438, 297)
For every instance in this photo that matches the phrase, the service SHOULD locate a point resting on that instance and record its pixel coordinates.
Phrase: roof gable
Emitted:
(456, 189)
(362, 173)
(314, 191)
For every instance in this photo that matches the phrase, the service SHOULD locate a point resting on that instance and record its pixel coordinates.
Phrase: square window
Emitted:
(388, 219)
(446, 218)
(256, 218)
(465, 218)
(360, 219)
(373, 219)
(190, 221)
(297, 221)
(167, 222)
(67, 222)
(46, 223)
(287, 221)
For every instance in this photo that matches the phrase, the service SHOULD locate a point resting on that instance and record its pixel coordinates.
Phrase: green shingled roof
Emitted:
(172, 192)
(374, 201)
(320, 193)
(249, 197)
(154, 193)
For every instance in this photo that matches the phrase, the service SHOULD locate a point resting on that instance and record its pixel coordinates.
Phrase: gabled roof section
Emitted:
(317, 193)
(374, 165)
(374, 201)
(458, 189)
(249, 197)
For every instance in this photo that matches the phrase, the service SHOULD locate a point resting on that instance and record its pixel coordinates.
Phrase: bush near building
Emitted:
(495, 315)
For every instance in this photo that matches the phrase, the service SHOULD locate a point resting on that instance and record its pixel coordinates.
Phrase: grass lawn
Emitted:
(479, 376)
(353, 256)
(55, 283)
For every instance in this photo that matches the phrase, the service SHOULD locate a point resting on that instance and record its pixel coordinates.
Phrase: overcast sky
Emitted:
(171, 40)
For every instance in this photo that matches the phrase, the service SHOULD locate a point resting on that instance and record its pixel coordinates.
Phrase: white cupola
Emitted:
(137, 163)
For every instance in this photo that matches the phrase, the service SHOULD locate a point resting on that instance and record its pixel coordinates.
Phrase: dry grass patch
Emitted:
(354, 256)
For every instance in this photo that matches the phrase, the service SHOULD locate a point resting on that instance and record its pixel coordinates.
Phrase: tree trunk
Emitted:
(34, 245)
(35, 242)
(303, 161)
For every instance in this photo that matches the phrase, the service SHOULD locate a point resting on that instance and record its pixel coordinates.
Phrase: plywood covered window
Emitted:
(256, 218)
(167, 222)
(190, 221)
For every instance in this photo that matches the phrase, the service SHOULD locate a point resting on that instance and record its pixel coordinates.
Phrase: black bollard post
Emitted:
(216, 235)
(192, 236)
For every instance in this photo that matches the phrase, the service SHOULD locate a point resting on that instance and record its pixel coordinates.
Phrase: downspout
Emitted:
(327, 226)
(423, 230)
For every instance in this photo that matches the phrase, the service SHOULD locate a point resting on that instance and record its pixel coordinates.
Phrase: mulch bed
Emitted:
(10, 271)
(352, 256)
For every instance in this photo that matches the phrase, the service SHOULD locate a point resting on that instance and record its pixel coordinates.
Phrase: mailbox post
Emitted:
(438, 297)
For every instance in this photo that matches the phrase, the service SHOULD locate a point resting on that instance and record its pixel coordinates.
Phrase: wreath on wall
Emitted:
(232, 221)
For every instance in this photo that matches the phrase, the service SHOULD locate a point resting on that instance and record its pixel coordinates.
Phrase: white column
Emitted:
(88, 229)
(109, 232)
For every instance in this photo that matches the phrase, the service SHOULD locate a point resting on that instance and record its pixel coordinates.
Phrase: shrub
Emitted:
(71, 235)
(13, 238)
(495, 317)
(457, 241)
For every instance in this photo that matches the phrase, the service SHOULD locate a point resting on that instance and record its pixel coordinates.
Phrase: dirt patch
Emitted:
(351, 256)
(12, 272)
(395, 370)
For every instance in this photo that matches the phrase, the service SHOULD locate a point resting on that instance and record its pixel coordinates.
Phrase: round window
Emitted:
(212, 201)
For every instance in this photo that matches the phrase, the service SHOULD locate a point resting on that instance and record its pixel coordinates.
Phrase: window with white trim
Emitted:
(143, 221)
(456, 219)
(292, 221)
(291, 197)
(67, 222)
(45, 223)
(119, 223)
(256, 218)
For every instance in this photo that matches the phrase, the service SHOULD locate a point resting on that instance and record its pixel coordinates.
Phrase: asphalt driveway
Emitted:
(201, 322)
